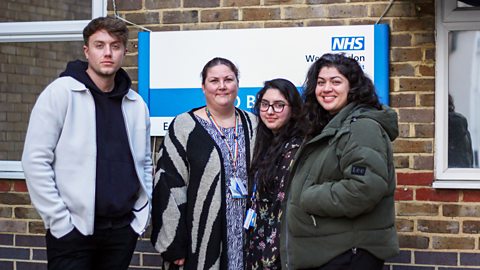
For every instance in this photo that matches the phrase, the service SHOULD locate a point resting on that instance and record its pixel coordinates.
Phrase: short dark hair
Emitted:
(215, 62)
(362, 90)
(113, 26)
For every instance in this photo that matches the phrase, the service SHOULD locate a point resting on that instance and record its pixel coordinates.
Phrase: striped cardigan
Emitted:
(188, 207)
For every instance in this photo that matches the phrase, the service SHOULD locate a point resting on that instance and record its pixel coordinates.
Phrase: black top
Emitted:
(117, 182)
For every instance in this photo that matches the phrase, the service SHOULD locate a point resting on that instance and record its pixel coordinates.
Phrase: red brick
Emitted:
(5, 185)
(20, 186)
(428, 194)
(402, 194)
(471, 195)
(426, 70)
(415, 179)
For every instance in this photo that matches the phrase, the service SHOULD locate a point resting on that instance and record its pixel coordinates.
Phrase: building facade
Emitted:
(438, 210)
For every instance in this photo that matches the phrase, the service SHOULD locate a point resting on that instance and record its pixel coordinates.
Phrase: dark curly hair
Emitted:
(362, 90)
(268, 146)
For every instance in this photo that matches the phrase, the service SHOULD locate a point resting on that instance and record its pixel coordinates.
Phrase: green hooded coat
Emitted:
(341, 193)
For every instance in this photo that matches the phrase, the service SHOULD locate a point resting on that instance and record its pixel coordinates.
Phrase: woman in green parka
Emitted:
(340, 212)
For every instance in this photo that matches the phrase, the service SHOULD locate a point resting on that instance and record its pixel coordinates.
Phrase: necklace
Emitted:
(233, 154)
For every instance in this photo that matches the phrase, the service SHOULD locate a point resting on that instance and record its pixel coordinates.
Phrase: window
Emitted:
(37, 39)
(47, 20)
(457, 95)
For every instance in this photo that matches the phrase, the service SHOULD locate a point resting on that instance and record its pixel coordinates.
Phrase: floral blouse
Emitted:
(263, 241)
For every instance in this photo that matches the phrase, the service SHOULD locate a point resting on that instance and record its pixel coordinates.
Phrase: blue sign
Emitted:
(169, 63)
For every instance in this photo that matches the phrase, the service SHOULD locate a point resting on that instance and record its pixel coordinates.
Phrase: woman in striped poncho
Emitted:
(200, 183)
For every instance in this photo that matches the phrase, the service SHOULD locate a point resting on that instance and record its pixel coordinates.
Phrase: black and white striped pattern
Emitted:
(189, 209)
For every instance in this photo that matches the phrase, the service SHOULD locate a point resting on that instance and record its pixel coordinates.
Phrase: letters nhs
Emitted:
(348, 43)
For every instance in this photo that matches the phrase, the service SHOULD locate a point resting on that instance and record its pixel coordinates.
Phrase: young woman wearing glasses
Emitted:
(279, 135)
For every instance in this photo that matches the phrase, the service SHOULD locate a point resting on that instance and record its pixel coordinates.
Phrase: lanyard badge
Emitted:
(237, 188)
(250, 219)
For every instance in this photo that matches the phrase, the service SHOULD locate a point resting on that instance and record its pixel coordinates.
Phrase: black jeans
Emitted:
(106, 249)
(353, 259)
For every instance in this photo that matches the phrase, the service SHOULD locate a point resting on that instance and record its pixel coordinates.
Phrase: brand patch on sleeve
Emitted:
(358, 170)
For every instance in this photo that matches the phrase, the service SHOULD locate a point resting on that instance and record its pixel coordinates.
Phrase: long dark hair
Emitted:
(362, 90)
(269, 146)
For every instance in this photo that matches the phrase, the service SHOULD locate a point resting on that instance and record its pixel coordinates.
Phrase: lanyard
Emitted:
(253, 199)
(233, 155)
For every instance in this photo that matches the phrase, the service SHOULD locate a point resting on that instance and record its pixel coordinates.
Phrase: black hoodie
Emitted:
(117, 183)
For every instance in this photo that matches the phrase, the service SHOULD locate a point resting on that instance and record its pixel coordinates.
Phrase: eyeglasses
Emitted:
(277, 107)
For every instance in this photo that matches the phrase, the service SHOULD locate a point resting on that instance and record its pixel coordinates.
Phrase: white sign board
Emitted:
(170, 62)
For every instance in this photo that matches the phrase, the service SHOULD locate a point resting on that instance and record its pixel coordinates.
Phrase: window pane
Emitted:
(25, 70)
(44, 10)
(468, 4)
(464, 97)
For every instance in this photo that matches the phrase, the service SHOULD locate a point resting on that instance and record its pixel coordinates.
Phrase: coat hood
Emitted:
(386, 117)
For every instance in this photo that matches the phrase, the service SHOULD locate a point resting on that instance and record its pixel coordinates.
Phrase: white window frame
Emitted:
(43, 31)
(449, 18)
(49, 30)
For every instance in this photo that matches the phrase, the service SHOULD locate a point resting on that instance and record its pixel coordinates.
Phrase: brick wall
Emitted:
(437, 228)
(26, 68)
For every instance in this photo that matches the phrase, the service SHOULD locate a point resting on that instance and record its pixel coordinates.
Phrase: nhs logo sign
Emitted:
(348, 43)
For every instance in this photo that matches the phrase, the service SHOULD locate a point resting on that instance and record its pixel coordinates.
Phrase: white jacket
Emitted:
(59, 157)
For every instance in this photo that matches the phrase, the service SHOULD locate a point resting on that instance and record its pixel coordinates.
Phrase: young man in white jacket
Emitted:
(87, 157)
